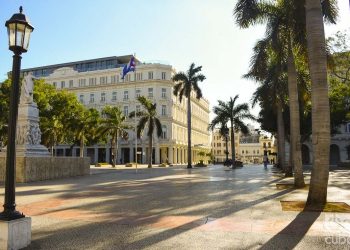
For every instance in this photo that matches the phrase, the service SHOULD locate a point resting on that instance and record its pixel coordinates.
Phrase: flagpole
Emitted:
(135, 118)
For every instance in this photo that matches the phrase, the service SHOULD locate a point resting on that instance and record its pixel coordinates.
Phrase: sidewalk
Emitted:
(176, 208)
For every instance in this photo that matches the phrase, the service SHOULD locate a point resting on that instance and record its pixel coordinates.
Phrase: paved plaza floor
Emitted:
(177, 208)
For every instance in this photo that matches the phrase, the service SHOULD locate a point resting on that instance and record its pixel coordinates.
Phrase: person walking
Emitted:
(265, 160)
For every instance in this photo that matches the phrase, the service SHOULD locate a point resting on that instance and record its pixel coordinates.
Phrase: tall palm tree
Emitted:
(286, 29)
(113, 125)
(235, 113)
(317, 196)
(53, 133)
(149, 118)
(185, 83)
(269, 70)
(223, 131)
(84, 127)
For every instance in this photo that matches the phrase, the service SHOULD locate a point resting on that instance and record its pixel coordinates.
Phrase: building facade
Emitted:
(98, 83)
(249, 148)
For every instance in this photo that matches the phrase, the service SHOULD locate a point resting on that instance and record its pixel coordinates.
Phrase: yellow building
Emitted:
(98, 82)
(249, 148)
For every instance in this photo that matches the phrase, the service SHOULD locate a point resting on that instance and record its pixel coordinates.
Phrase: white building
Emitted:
(98, 83)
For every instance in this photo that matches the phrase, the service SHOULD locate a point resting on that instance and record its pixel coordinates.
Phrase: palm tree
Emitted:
(149, 118)
(235, 114)
(223, 131)
(184, 84)
(53, 132)
(317, 196)
(269, 70)
(84, 127)
(113, 124)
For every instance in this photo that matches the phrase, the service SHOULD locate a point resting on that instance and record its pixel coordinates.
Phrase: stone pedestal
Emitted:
(15, 234)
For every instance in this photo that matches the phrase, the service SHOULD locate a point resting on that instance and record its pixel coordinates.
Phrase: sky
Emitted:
(176, 32)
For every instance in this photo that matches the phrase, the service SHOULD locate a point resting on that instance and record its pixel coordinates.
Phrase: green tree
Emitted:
(235, 114)
(223, 131)
(148, 118)
(113, 125)
(185, 83)
(84, 127)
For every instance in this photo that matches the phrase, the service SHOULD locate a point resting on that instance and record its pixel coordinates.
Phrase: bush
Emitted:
(102, 164)
(162, 165)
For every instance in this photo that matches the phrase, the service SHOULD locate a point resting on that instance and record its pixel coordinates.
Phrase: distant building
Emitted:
(98, 83)
(249, 148)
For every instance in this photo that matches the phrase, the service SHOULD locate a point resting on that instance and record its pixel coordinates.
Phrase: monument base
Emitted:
(30, 169)
(15, 234)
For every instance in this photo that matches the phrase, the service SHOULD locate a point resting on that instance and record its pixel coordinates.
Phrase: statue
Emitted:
(27, 89)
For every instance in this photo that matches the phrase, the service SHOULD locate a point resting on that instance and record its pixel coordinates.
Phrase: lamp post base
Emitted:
(9, 215)
(15, 234)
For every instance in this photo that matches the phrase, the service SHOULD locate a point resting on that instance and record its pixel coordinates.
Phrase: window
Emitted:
(82, 82)
(269, 144)
(127, 78)
(138, 92)
(150, 92)
(163, 110)
(81, 98)
(254, 152)
(126, 110)
(114, 96)
(348, 151)
(92, 81)
(126, 95)
(92, 98)
(163, 75)
(164, 132)
(347, 128)
(163, 92)
(71, 83)
(63, 84)
(103, 80)
(242, 152)
(139, 76)
(257, 151)
(138, 108)
(150, 75)
(54, 84)
(113, 79)
(264, 145)
(103, 97)
(246, 151)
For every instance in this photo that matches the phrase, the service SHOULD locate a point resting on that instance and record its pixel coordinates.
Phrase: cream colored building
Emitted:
(249, 149)
(98, 82)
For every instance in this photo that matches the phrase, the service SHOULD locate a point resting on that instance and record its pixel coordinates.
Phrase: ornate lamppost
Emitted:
(19, 31)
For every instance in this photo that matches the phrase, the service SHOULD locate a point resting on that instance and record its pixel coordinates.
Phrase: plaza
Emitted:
(177, 208)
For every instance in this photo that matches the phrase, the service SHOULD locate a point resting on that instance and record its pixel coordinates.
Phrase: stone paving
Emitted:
(176, 208)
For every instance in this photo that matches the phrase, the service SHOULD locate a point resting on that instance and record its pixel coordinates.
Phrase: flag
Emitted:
(131, 66)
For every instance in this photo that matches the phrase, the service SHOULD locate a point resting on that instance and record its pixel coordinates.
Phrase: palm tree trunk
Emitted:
(113, 151)
(51, 150)
(116, 150)
(81, 153)
(294, 121)
(281, 136)
(150, 150)
(189, 126)
(317, 196)
(233, 153)
(226, 141)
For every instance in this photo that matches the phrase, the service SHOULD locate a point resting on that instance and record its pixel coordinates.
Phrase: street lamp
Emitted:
(19, 31)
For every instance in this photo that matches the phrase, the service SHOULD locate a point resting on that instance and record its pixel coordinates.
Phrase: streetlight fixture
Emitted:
(19, 31)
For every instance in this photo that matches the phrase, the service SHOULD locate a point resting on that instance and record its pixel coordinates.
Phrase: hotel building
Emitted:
(98, 82)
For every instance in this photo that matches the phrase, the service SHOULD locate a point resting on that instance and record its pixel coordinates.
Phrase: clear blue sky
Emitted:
(175, 31)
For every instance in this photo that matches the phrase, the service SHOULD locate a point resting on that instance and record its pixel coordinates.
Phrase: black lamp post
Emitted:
(19, 31)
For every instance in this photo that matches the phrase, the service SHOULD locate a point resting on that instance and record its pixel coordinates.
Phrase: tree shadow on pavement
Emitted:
(292, 234)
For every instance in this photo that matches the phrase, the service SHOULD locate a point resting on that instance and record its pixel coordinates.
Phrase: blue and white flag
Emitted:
(131, 66)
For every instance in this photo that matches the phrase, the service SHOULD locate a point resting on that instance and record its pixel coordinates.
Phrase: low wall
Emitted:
(30, 169)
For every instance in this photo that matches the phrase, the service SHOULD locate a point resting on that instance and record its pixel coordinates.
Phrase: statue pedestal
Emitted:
(28, 137)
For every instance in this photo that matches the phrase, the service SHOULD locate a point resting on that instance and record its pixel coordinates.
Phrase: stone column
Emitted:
(131, 154)
(95, 154)
(170, 154)
(144, 154)
(157, 155)
(175, 156)
(107, 154)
